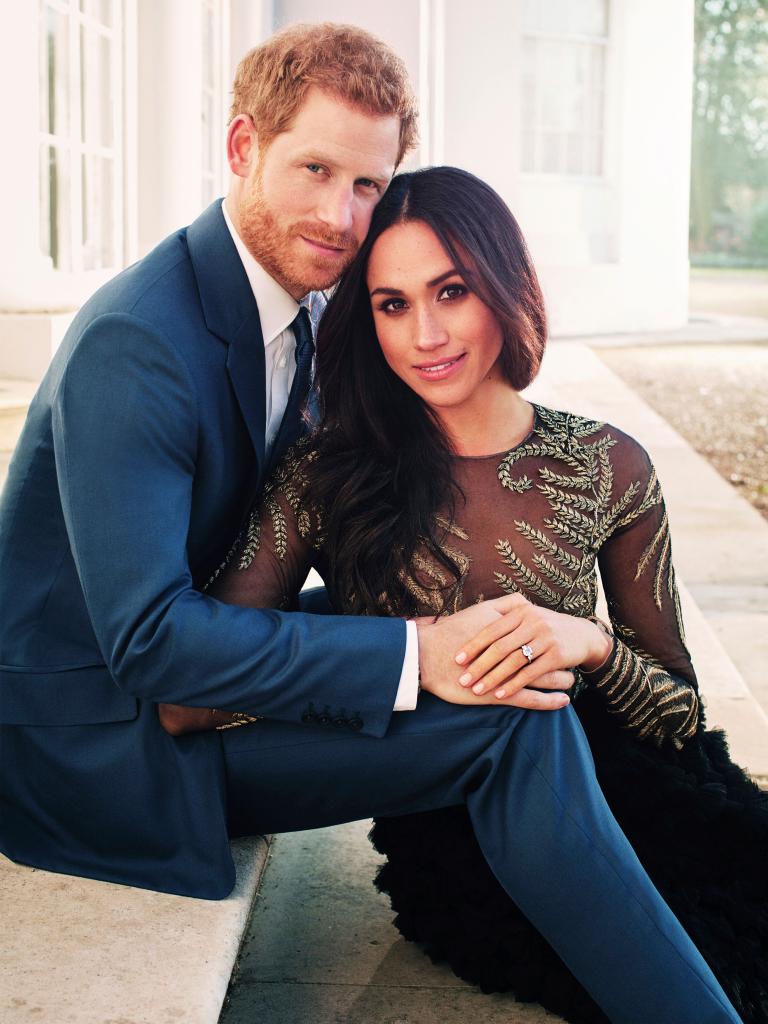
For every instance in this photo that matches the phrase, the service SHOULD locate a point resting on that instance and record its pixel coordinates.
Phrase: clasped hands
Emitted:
(476, 655)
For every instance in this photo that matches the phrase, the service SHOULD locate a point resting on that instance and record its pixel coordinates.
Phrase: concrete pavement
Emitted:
(321, 948)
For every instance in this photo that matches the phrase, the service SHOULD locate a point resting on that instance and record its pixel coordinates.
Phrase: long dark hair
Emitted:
(384, 471)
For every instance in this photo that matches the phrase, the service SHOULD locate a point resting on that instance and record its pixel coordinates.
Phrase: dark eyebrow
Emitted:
(430, 284)
(386, 291)
(442, 277)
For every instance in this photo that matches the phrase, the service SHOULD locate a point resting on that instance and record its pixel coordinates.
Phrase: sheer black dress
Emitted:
(540, 519)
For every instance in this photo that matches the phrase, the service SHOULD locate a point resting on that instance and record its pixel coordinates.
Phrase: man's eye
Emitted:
(315, 168)
(368, 183)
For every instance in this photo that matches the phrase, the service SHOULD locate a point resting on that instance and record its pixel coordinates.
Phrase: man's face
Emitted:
(306, 206)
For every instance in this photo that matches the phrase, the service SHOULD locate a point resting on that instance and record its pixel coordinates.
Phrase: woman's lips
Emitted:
(439, 371)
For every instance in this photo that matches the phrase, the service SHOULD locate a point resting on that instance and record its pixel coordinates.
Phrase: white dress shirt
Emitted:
(277, 311)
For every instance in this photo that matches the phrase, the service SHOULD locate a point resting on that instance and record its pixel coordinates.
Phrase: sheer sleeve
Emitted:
(648, 681)
(279, 543)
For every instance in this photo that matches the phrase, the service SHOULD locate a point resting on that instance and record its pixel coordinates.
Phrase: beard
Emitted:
(278, 247)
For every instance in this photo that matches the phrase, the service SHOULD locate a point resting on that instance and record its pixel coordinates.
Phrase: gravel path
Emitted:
(716, 396)
(728, 292)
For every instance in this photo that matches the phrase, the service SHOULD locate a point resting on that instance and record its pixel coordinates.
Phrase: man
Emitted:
(176, 388)
(154, 428)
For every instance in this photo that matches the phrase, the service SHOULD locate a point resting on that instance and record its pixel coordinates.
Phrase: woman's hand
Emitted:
(495, 660)
(438, 639)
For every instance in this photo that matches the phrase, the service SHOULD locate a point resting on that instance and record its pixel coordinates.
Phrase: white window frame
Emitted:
(212, 88)
(606, 42)
(73, 145)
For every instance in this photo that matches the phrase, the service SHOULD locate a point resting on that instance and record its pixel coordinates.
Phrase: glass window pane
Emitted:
(546, 15)
(596, 65)
(596, 87)
(96, 97)
(209, 132)
(562, 100)
(98, 212)
(55, 105)
(85, 131)
(596, 117)
(594, 158)
(590, 17)
(574, 154)
(107, 211)
(575, 103)
(209, 191)
(528, 84)
(54, 206)
(107, 98)
(45, 201)
(550, 153)
(528, 152)
(209, 57)
(566, 17)
(101, 10)
(86, 185)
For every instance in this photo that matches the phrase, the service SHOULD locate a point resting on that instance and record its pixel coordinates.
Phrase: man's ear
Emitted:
(242, 145)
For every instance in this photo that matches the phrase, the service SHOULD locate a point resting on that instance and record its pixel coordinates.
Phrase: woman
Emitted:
(431, 484)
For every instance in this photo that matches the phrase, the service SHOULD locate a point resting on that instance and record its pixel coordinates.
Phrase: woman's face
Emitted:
(435, 334)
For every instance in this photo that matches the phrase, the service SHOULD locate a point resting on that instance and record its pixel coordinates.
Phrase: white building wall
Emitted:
(396, 21)
(169, 61)
(611, 250)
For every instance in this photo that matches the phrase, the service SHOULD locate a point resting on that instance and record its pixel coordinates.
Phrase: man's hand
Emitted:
(439, 641)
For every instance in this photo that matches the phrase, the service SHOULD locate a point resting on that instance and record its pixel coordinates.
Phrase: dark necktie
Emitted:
(291, 422)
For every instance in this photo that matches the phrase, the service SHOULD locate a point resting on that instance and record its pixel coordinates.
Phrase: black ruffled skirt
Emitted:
(698, 824)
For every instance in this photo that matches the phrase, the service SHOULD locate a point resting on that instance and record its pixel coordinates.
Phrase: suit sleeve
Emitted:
(126, 429)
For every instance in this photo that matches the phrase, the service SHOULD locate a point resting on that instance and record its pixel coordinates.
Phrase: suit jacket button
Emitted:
(308, 716)
(324, 718)
(356, 724)
(340, 722)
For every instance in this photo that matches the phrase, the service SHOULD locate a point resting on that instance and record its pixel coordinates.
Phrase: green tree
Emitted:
(730, 112)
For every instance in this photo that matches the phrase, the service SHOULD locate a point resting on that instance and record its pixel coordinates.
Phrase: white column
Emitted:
(656, 161)
(250, 22)
(169, 51)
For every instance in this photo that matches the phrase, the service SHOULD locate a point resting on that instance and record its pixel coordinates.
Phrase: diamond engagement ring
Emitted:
(528, 652)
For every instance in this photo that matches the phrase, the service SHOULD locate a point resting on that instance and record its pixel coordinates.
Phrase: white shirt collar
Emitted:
(277, 309)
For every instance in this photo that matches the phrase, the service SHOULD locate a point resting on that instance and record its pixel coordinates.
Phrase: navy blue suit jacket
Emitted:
(141, 450)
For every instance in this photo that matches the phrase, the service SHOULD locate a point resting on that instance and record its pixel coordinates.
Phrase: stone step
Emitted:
(93, 952)
(15, 396)
(322, 949)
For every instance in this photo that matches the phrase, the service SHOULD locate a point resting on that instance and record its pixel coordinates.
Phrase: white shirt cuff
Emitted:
(408, 691)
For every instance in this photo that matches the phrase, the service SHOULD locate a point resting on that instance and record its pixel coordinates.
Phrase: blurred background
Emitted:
(601, 122)
(630, 138)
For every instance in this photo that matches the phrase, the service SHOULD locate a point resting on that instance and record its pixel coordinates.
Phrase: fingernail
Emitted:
(501, 693)
(564, 700)
(477, 688)
(466, 679)
(461, 657)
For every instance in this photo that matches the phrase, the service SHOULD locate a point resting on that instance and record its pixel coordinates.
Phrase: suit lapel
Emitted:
(230, 313)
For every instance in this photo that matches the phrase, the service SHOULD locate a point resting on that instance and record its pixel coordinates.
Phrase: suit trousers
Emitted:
(528, 781)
